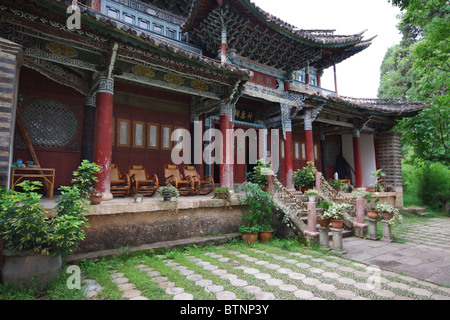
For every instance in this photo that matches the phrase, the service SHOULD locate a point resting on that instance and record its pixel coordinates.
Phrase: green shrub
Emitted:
(259, 174)
(425, 184)
(24, 226)
(305, 177)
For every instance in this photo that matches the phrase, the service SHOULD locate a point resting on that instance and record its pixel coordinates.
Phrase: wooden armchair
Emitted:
(204, 185)
(184, 185)
(120, 183)
(142, 182)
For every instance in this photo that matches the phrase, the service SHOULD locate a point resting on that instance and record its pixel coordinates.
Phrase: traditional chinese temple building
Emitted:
(114, 89)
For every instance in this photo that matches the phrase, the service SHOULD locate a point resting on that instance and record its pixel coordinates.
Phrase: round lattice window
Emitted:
(49, 123)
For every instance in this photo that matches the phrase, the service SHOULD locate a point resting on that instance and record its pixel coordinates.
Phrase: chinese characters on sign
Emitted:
(245, 115)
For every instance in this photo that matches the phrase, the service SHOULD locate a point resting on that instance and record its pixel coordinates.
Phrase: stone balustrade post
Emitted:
(311, 234)
(372, 230)
(360, 228)
(387, 236)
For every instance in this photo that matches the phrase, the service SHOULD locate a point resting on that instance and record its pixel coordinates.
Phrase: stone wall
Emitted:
(9, 61)
(389, 155)
(123, 225)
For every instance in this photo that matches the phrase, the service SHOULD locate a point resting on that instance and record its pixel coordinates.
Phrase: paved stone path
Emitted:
(264, 275)
(425, 255)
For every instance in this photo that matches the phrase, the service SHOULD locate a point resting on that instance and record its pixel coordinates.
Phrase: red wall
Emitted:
(153, 160)
(64, 161)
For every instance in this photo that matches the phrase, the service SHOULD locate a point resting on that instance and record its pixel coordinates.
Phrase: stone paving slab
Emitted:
(426, 255)
(262, 274)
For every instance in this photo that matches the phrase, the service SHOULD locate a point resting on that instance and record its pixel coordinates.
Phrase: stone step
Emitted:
(416, 210)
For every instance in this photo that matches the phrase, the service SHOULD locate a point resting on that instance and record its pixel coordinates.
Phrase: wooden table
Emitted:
(47, 175)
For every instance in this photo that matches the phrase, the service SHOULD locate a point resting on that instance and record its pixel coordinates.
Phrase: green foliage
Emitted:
(222, 193)
(252, 229)
(418, 69)
(259, 206)
(335, 183)
(22, 219)
(325, 205)
(85, 177)
(305, 177)
(259, 174)
(336, 211)
(167, 192)
(24, 226)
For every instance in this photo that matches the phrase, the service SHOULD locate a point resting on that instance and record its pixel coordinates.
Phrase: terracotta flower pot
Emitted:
(95, 199)
(324, 222)
(387, 215)
(248, 237)
(265, 236)
(337, 224)
(372, 214)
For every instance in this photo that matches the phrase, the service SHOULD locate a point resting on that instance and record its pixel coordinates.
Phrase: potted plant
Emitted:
(336, 214)
(312, 194)
(138, 197)
(34, 248)
(336, 184)
(258, 206)
(167, 192)
(222, 193)
(305, 178)
(249, 234)
(85, 178)
(324, 221)
(259, 174)
(386, 210)
(265, 233)
(372, 212)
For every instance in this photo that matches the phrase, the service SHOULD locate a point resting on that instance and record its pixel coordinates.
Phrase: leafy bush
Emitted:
(305, 177)
(85, 177)
(222, 193)
(259, 205)
(24, 226)
(259, 174)
(425, 184)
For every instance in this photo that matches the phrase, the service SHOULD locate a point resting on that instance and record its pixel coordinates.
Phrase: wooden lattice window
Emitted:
(50, 123)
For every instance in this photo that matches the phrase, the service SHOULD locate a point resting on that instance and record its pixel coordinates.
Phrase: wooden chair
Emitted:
(184, 185)
(142, 182)
(120, 183)
(204, 185)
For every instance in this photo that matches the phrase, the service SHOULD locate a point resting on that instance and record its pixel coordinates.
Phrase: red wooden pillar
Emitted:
(96, 5)
(358, 160)
(103, 135)
(224, 166)
(287, 132)
(319, 81)
(309, 142)
(288, 160)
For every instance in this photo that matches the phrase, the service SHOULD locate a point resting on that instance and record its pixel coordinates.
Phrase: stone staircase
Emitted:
(293, 204)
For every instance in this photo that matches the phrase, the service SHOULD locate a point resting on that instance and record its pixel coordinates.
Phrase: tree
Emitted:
(418, 69)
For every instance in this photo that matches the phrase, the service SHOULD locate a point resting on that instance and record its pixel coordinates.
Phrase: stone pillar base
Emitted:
(106, 196)
(311, 237)
(387, 237)
(360, 229)
(324, 238)
(372, 230)
(338, 244)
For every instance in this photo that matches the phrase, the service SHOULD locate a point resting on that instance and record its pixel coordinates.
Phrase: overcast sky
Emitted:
(358, 76)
